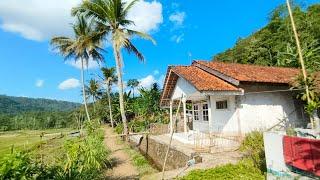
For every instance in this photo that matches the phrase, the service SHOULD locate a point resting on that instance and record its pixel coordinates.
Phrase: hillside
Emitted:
(274, 44)
(16, 105)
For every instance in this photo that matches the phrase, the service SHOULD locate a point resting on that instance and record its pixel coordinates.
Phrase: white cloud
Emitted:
(39, 83)
(177, 18)
(77, 64)
(146, 15)
(177, 38)
(41, 19)
(146, 82)
(69, 84)
(37, 19)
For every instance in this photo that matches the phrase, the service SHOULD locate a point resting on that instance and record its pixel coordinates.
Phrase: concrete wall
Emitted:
(183, 87)
(255, 112)
(224, 120)
(264, 110)
(155, 151)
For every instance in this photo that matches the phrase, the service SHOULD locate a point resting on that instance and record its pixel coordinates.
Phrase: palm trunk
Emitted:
(93, 104)
(83, 91)
(109, 101)
(117, 55)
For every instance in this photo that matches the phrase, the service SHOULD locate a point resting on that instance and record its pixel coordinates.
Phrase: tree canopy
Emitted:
(274, 44)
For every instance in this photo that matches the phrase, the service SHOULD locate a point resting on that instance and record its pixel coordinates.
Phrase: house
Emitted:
(231, 98)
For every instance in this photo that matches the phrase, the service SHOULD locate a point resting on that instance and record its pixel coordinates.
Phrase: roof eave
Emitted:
(239, 92)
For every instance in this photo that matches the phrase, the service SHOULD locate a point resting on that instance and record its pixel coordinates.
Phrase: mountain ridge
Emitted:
(16, 105)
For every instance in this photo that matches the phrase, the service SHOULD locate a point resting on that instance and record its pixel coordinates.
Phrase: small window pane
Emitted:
(205, 112)
(196, 112)
(222, 104)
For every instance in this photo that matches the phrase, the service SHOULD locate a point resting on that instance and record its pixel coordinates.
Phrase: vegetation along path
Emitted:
(122, 167)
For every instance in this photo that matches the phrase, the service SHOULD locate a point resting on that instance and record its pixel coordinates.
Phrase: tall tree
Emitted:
(84, 45)
(109, 79)
(112, 18)
(93, 90)
(133, 83)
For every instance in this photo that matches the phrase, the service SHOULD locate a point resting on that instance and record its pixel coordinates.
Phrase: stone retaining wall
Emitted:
(155, 151)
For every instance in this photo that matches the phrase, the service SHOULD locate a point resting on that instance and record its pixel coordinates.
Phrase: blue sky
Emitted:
(181, 28)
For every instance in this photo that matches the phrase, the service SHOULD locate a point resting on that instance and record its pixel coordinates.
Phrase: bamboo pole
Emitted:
(169, 145)
(303, 68)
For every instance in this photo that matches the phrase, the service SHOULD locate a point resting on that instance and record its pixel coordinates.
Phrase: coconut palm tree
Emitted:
(111, 17)
(93, 89)
(109, 78)
(84, 45)
(133, 83)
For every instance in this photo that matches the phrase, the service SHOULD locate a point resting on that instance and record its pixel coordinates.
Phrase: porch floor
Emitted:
(208, 159)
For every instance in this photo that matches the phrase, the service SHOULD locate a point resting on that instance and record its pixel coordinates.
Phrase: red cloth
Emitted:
(302, 153)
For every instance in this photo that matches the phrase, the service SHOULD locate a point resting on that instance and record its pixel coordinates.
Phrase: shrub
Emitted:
(18, 165)
(119, 129)
(138, 126)
(253, 147)
(87, 157)
(242, 170)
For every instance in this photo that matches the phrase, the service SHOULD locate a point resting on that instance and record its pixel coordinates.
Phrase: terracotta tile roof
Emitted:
(202, 80)
(253, 73)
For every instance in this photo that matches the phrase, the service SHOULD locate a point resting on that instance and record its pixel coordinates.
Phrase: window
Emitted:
(196, 112)
(205, 112)
(222, 104)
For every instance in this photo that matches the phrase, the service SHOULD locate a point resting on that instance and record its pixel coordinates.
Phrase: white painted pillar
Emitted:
(184, 101)
(171, 116)
(210, 113)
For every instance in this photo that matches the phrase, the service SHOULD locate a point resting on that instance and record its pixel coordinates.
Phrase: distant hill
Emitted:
(15, 105)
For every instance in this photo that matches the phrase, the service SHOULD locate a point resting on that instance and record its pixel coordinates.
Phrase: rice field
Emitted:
(28, 139)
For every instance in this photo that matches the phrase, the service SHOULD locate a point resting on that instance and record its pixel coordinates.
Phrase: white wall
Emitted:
(264, 110)
(224, 120)
(252, 112)
(183, 87)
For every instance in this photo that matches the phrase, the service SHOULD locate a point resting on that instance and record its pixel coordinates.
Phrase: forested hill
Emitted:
(274, 44)
(15, 105)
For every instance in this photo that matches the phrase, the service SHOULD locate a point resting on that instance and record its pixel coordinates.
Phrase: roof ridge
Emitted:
(251, 65)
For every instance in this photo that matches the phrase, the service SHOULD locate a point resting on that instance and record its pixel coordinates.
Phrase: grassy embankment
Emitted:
(140, 162)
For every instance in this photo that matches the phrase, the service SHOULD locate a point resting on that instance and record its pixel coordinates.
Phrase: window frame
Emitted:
(196, 112)
(222, 101)
(205, 112)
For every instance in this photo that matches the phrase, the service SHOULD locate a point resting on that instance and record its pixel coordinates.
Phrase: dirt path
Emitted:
(120, 160)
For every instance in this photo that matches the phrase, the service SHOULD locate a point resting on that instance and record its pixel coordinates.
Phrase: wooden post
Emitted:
(171, 116)
(185, 127)
(169, 145)
(209, 113)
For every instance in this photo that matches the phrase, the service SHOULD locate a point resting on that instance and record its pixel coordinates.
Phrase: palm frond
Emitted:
(132, 49)
(142, 35)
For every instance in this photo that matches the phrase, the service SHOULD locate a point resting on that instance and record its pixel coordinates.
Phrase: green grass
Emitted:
(242, 170)
(26, 139)
(138, 160)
